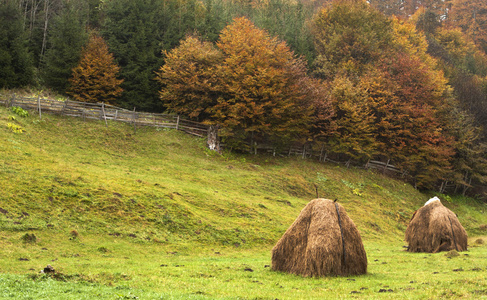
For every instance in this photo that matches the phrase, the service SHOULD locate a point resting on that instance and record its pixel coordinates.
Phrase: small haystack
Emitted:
(322, 241)
(434, 228)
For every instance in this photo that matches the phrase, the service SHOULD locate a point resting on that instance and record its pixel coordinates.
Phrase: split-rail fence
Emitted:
(102, 111)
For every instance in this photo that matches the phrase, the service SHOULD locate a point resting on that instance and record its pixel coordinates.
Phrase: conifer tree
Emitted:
(134, 31)
(16, 66)
(95, 77)
(66, 38)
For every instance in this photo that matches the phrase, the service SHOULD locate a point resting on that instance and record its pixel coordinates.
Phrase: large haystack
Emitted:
(322, 241)
(434, 228)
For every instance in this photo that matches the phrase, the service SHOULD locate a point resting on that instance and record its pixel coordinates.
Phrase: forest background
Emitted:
(398, 80)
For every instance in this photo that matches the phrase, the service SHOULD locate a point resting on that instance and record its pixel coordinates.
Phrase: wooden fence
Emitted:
(101, 111)
(319, 153)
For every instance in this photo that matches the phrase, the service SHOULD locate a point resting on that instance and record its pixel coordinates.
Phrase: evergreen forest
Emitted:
(403, 81)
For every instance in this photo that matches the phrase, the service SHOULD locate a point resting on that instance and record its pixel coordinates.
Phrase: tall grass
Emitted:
(153, 214)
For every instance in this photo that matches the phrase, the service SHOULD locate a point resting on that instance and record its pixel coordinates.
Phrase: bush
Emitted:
(19, 111)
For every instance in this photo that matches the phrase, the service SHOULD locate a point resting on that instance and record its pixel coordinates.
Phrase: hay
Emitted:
(434, 228)
(321, 242)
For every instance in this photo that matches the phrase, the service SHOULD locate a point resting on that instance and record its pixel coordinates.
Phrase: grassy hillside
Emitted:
(100, 202)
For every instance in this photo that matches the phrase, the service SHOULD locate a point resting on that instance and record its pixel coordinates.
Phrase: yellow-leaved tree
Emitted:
(189, 78)
(94, 79)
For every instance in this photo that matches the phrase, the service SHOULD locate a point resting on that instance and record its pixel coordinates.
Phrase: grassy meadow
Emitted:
(153, 214)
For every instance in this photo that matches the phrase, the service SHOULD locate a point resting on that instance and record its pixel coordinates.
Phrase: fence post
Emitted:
(177, 123)
(64, 106)
(135, 126)
(385, 167)
(83, 113)
(11, 101)
(39, 105)
(104, 115)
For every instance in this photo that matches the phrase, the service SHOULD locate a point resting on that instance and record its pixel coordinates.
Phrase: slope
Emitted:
(63, 175)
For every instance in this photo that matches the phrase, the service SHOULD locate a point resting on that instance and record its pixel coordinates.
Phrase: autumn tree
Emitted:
(390, 98)
(389, 7)
(354, 133)
(406, 8)
(413, 132)
(264, 87)
(471, 17)
(350, 36)
(416, 101)
(470, 163)
(190, 83)
(251, 84)
(95, 77)
(465, 67)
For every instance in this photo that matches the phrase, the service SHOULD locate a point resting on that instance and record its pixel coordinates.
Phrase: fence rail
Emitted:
(102, 111)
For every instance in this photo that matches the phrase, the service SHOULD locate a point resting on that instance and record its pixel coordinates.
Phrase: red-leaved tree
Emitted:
(411, 124)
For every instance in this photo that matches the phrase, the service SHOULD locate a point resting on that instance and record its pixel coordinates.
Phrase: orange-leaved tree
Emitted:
(471, 17)
(354, 119)
(265, 91)
(390, 99)
(95, 77)
(189, 78)
(250, 84)
(411, 100)
(414, 132)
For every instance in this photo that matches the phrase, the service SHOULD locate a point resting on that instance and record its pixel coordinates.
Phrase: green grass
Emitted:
(154, 215)
(128, 270)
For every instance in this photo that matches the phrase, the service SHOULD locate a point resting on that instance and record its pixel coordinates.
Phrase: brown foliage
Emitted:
(190, 78)
(95, 78)
(251, 85)
(471, 17)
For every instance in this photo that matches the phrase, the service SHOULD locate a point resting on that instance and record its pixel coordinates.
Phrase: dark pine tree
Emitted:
(66, 38)
(16, 64)
(134, 31)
